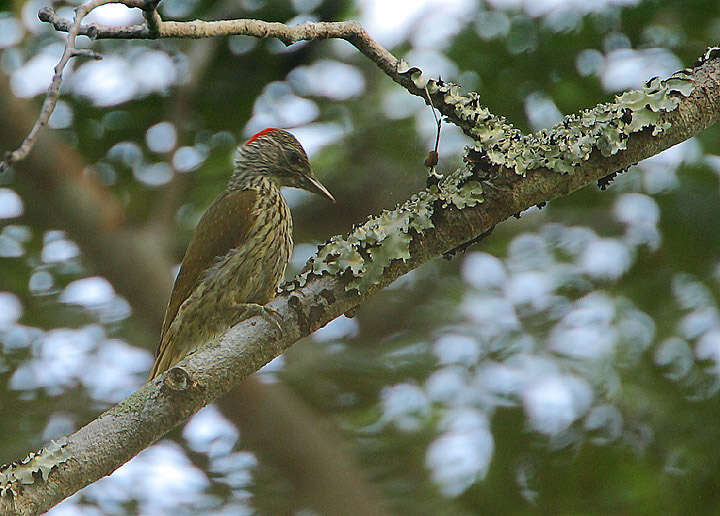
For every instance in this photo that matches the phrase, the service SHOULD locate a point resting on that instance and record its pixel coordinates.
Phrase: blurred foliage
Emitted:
(577, 373)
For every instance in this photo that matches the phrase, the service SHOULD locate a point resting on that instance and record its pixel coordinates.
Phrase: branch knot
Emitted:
(177, 379)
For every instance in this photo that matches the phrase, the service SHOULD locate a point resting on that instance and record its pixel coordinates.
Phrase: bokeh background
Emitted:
(568, 364)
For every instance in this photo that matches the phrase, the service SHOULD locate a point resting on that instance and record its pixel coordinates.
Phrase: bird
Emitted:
(240, 248)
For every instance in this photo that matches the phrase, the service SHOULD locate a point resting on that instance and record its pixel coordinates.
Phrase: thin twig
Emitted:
(155, 27)
(350, 31)
(54, 88)
(152, 21)
(86, 52)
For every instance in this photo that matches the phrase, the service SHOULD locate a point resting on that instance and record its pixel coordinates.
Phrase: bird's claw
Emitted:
(270, 315)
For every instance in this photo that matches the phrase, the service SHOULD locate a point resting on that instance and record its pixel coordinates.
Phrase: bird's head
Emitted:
(276, 154)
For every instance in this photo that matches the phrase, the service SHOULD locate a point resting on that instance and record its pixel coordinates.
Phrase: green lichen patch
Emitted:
(17, 474)
(336, 256)
(710, 54)
(415, 74)
(371, 247)
(606, 127)
(461, 195)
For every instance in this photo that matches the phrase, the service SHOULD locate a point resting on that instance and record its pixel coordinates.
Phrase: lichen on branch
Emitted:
(370, 247)
(37, 464)
(606, 127)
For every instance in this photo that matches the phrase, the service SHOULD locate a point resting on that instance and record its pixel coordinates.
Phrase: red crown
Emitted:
(261, 133)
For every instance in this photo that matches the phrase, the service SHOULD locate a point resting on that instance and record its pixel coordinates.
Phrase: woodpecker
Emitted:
(240, 248)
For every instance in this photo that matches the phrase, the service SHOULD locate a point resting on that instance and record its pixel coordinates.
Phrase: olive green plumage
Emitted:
(240, 248)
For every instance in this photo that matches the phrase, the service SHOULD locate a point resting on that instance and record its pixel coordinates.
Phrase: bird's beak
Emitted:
(313, 185)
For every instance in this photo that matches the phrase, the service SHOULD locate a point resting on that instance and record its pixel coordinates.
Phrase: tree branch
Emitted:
(350, 31)
(59, 192)
(155, 28)
(452, 215)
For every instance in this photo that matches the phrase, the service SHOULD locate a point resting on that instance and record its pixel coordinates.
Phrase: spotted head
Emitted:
(278, 155)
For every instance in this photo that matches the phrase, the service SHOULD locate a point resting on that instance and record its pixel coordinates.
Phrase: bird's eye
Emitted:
(295, 158)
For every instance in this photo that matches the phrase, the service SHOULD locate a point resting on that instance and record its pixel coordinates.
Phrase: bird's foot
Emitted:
(272, 317)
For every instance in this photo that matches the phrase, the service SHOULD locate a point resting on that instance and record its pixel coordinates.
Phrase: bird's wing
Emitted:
(225, 224)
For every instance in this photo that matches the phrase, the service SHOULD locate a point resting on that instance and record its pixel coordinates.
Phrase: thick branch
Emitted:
(120, 433)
